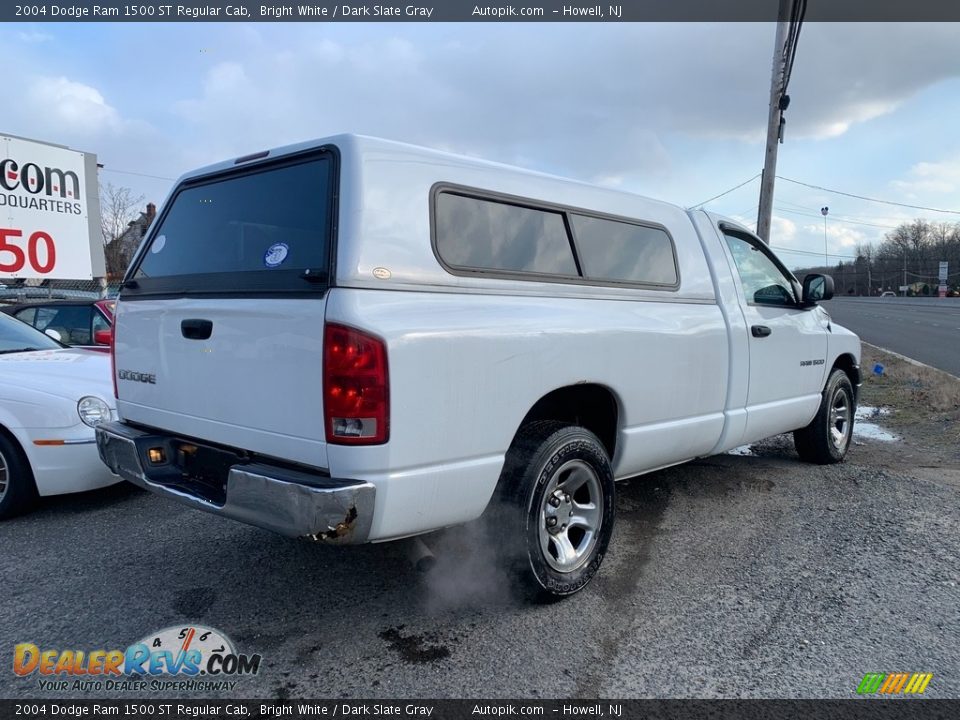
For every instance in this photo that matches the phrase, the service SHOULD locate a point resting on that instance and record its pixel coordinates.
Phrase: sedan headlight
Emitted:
(93, 410)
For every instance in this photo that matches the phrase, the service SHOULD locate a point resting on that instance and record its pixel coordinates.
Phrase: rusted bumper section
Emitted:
(291, 502)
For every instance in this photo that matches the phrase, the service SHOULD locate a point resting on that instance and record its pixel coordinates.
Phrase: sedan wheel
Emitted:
(17, 489)
(3, 476)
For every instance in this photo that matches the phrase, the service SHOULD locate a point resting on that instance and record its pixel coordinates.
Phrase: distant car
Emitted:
(79, 323)
(888, 293)
(51, 398)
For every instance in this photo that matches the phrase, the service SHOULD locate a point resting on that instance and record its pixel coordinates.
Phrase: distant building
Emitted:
(120, 251)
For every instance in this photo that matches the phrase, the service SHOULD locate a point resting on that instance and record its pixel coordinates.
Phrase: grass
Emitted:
(916, 393)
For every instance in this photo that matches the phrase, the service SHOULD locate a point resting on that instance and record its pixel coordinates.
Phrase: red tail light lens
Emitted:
(356, 392)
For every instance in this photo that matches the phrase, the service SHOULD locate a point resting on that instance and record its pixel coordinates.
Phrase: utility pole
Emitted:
(774, 121)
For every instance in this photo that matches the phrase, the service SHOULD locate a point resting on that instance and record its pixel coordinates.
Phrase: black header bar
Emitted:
(464, 11)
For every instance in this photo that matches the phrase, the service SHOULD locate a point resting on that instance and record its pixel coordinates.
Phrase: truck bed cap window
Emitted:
(612, 250)
(477, 233)
(258, 229)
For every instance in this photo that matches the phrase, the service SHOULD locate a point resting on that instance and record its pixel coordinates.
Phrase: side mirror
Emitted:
(54, 334)
(817, 288)
(102, 337)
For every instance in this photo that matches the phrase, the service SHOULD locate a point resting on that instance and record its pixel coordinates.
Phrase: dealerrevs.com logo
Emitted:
(176, 658)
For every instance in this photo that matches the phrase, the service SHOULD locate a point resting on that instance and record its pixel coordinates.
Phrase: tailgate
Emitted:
(255, 383)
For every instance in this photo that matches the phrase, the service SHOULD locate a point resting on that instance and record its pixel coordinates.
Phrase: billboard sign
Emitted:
(944, 267)
(49, 211)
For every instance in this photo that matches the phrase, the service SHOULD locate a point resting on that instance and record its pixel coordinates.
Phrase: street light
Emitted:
(823, 211)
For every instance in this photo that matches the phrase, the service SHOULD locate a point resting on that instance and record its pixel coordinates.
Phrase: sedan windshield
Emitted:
(16, 336)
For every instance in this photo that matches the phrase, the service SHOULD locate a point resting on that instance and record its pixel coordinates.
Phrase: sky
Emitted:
(673, 111)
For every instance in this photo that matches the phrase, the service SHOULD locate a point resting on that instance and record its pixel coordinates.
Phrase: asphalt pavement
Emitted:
(731, 576)
(925, 329)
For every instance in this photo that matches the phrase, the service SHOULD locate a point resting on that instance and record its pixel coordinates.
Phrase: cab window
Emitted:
(763, 281)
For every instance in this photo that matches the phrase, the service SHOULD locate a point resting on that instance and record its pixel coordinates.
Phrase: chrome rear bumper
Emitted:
(290, 502)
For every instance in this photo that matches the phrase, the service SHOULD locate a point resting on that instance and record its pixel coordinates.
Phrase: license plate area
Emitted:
(191, 468)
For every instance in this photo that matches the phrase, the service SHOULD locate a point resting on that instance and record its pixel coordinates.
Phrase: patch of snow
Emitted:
(872, 431)
(742, 450)
(866, 412)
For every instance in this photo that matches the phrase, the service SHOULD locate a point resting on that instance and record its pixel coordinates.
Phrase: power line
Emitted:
(146, 175)
(864, 197)
(811, 252)
(725, 192)
(836, 219)
(806, 208)
(798, 11)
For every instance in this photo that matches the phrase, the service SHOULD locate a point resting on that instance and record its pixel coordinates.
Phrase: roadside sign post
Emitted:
(944, 268)
(49, 212)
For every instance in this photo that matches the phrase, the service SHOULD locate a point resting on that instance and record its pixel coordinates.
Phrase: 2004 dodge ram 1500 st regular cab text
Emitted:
(358, 340)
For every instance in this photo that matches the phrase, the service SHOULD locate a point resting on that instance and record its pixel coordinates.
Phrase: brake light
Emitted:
(356, 392)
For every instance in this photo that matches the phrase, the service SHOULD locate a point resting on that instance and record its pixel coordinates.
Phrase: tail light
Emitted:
(356, 391)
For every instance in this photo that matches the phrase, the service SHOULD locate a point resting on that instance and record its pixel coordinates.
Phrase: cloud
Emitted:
(783, 229)
(845, 236)
(603, 103)
(841, 239)
(926, 178)
(847, 74)
(665, 109)
(60, 102)
(34, 37)
(66, 111)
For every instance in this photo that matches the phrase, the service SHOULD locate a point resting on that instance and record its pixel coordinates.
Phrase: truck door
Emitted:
(788, 345)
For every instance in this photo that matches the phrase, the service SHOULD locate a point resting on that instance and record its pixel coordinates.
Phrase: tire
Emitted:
(555, 473)
(17, 489)
(827, 438)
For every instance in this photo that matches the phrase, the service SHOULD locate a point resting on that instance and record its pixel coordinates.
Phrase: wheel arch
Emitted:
(848, 363)
(593, 406)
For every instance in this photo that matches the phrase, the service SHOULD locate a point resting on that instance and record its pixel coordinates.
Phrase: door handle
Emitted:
(760, 330)
(196, 329)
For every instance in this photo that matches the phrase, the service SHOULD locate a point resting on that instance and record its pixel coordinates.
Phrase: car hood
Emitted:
(66, 373)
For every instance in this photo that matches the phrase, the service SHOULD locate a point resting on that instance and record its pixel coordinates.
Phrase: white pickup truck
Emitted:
(359, 340)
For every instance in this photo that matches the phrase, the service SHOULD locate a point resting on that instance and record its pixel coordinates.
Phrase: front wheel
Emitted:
(559, 491)
(826, 439)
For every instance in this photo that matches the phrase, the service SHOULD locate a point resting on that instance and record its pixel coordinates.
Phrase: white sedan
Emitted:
(51, 398)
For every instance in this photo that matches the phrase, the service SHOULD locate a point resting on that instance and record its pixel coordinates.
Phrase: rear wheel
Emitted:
(17, 491)
(827, 438)
(558, 492)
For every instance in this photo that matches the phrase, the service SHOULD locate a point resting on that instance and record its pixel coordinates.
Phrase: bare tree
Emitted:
(118, 207)
(912, 251)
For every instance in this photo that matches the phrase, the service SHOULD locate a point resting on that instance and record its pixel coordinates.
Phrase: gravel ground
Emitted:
(733, 576)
